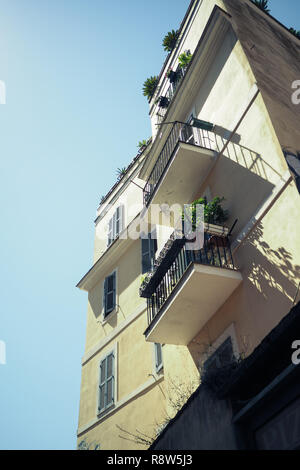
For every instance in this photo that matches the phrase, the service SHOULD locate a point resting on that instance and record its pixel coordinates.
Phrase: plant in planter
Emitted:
(163, 102)
(149, 86)
(262, 4)
(172, 76)
(170, 40)
(213, 211)
(142, 144)
(184, 59)
(121, 172)
(295, 32)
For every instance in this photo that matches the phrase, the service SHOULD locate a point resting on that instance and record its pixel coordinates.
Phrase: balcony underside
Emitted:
(199, 294)
(184, 174)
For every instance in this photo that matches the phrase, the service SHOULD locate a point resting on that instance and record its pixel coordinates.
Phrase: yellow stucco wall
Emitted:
(269, 260)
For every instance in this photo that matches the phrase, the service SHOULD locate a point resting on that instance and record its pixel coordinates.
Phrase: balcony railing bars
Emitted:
(180, 132)
(180, 72)
(215, 252)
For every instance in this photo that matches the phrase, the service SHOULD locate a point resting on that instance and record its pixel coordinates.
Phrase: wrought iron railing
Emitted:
(215, 252)
(180, 132)
(180, 72)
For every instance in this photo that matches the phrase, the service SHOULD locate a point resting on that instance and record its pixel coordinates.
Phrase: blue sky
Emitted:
(75, 112)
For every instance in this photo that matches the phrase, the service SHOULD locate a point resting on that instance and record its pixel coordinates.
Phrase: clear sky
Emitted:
(74, 113)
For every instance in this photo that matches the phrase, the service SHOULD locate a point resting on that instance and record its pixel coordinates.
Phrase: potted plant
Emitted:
(170, 40)
(184, 59)
(172, 76)
(163, 102)
(214, 214)
(149, 86)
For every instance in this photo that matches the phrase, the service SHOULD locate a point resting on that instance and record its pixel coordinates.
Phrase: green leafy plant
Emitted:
(213, 211)
(263, 5)
(121, 172)
(142, 143)
(184, 59)
(149, 87)
(295, 32)
(170, 40)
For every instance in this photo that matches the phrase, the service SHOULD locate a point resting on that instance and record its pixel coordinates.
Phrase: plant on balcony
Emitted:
(142, 143)
(170, 40)
(163, 102)
(295, 32)
(121, 172)
(172, 76)
(150, 86)
(184, 59)
(213, 211)
(262, 4)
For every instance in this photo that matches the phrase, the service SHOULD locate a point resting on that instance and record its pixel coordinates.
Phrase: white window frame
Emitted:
(114, 351)
(105, 319)
(157, 370)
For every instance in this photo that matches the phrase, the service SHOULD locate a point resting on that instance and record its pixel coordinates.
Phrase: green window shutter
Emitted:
(107, 382)
(149, 248)
(110, 380)
(105, 295)
(146, 255)
(109, 294)
(102, 385)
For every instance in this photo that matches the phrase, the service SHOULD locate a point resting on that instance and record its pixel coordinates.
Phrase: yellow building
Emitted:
(225, 125)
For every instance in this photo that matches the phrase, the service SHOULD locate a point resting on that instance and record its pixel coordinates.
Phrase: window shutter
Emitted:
(110, 379)
(149, 248)
(104, 295)
(110, 293)
(146, 255)
(114, 225)
(153, 248)
(110, 232)
(107, 382)
(119, 219)
(102, 384)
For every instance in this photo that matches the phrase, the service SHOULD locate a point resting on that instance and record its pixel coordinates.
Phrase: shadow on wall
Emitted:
(269, 289)
(270, 271)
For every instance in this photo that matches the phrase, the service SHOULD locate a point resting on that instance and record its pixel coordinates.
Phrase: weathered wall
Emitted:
(204, 424)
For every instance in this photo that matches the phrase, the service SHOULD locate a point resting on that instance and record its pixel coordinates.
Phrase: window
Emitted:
(107, 382)
(223, 356)
(109, 294)
(149, 248)
(158, 357)
(115, 225)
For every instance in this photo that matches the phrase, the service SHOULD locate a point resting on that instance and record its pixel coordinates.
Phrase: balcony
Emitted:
(183, 163)
(174, 84)
(188, 287)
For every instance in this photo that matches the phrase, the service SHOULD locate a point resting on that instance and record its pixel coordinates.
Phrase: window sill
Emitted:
(108, 317)
(101, 414)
